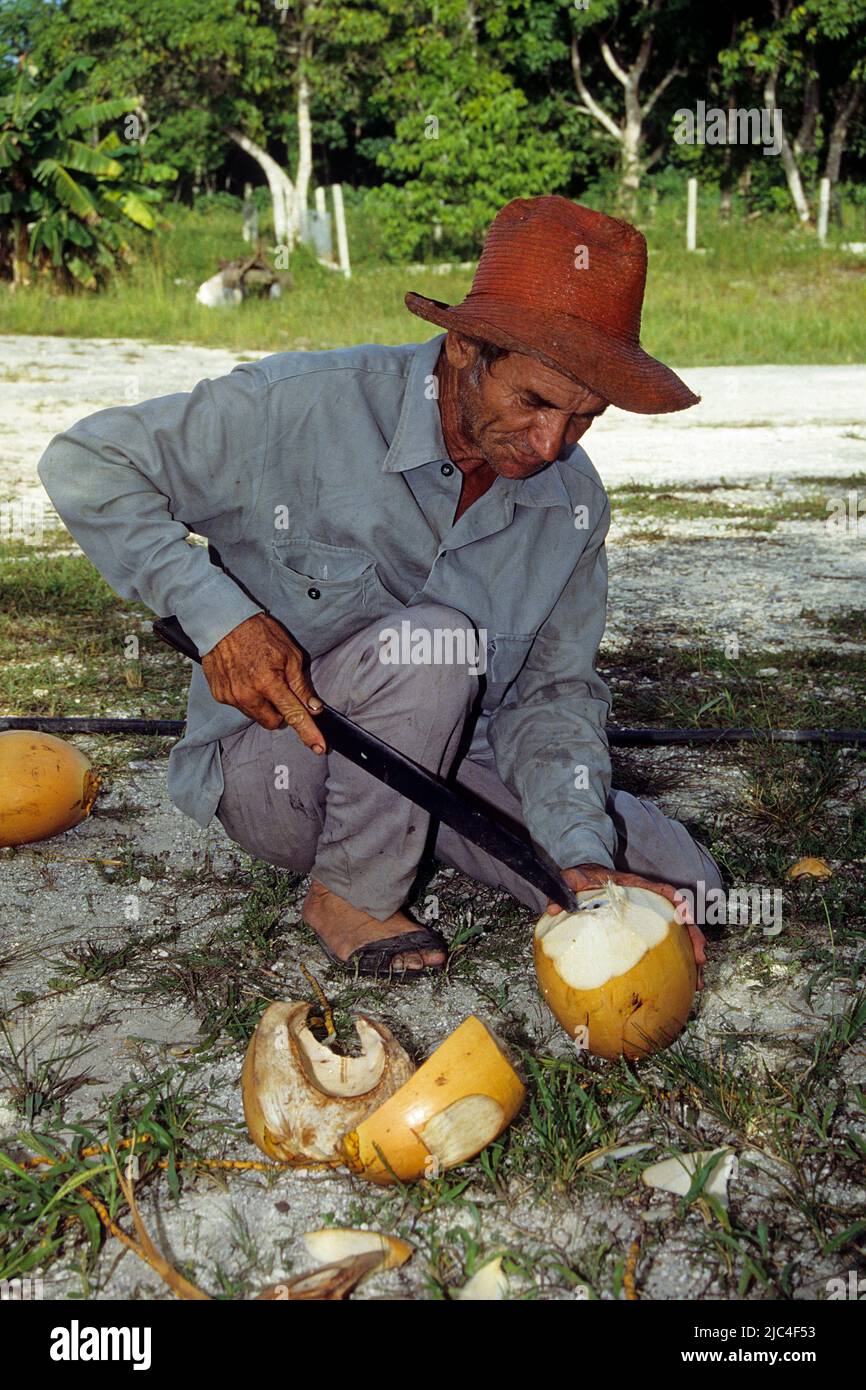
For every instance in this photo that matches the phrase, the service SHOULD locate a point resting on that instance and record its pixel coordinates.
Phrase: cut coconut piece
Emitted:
(677, 1174)
(621, 976)
(338, 1075)
(487, 1284)
(461, 1098)
(330, 1283)
(334, 1243)
(300, 1097)
(465, 1127)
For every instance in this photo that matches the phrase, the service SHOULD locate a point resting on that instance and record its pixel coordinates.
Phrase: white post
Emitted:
(250, 230)
(823, 211)
(319, 196)
(342, 239)
(692, 216)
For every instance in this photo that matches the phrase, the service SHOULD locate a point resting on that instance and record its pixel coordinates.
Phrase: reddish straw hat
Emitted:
(564, 284)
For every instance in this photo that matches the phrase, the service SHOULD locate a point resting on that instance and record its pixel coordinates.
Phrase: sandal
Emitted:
(374, 958)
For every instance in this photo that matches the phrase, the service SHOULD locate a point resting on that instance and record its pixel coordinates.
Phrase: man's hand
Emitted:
(596, 875)
(259, 669)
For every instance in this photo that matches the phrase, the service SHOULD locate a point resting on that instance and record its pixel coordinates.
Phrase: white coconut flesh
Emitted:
(464, 1127)
(343, 1076)
(608, 937)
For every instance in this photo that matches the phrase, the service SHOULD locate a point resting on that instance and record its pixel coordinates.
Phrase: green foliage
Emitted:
(465, 141)
(481, 157)
(68, 204)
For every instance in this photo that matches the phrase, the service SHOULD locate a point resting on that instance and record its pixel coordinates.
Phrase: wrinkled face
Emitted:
(521, 415)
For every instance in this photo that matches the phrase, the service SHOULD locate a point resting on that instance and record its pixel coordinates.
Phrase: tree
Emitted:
(464, 139)
(67, 202)
(806, 55)
(618, 25)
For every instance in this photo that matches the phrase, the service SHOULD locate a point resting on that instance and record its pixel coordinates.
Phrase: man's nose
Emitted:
(546, 438)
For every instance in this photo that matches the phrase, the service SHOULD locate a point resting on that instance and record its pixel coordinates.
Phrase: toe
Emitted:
(417, 960)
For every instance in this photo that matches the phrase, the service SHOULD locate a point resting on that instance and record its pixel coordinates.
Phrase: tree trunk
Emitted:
(628, 133)
(281, 186)
(630, 160)
(20, 259)
(305, 142)
(726, 185)
(804, 142)
(789, 161)
(847, 106)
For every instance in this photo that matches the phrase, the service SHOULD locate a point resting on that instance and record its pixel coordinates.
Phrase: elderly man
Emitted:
(433, 493)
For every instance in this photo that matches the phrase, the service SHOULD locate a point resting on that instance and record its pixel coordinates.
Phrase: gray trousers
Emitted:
(327, 817)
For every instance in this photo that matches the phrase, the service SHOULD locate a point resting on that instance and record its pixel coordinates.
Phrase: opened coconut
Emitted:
(619, 975)
(456, 1103)
(301, 1096)
(46, 786)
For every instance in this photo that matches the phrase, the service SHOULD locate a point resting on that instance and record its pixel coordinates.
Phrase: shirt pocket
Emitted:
(506, 654)
(323, 593)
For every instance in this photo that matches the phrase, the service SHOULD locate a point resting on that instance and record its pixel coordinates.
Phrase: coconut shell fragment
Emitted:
(301, 1096)
(457, 1102)
(810, 868)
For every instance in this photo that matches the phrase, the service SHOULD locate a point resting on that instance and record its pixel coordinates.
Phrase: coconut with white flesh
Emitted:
(300, 1096)
(619, 975)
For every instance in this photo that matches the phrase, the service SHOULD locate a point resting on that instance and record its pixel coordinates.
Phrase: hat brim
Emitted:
(617, 369)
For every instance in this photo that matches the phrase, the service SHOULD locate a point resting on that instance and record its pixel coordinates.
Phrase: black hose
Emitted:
(617, 737)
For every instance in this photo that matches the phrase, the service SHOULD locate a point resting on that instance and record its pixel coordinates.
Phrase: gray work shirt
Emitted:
(323, 481)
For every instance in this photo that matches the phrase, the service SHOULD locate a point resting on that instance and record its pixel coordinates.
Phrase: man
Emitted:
(415, 535)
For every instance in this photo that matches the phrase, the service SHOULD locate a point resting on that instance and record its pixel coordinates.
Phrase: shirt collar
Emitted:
(418, 438)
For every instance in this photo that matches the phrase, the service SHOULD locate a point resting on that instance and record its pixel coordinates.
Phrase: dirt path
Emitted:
(752, 423)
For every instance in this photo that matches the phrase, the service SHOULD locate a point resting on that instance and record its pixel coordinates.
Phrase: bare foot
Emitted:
(344, 928)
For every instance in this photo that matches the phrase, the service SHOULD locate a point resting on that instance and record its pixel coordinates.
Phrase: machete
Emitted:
(469, 816)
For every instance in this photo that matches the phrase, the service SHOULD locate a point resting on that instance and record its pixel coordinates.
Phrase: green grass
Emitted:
(700, 686)
(764, 292)
(702, 502)
(63, 643)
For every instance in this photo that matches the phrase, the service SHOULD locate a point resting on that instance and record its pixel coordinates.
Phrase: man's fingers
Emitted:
(295, 715)
(256, 707)
(296, 679)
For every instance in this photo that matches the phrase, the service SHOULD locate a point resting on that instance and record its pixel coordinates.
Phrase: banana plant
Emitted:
(67, 202)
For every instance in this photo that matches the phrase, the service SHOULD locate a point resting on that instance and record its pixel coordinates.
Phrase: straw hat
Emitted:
(565, 285)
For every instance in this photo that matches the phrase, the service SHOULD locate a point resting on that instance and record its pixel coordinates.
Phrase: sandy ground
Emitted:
(754, 425)
(752, 422)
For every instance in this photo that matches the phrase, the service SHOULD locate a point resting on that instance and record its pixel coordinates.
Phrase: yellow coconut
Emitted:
(457, 1102)
(620, 977)
(46, 786)
(300, 1096)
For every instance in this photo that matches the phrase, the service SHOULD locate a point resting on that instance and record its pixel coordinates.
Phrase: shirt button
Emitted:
(446, 470)
(313, 593)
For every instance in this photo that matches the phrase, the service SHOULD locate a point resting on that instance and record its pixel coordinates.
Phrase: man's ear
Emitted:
(460, 351)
